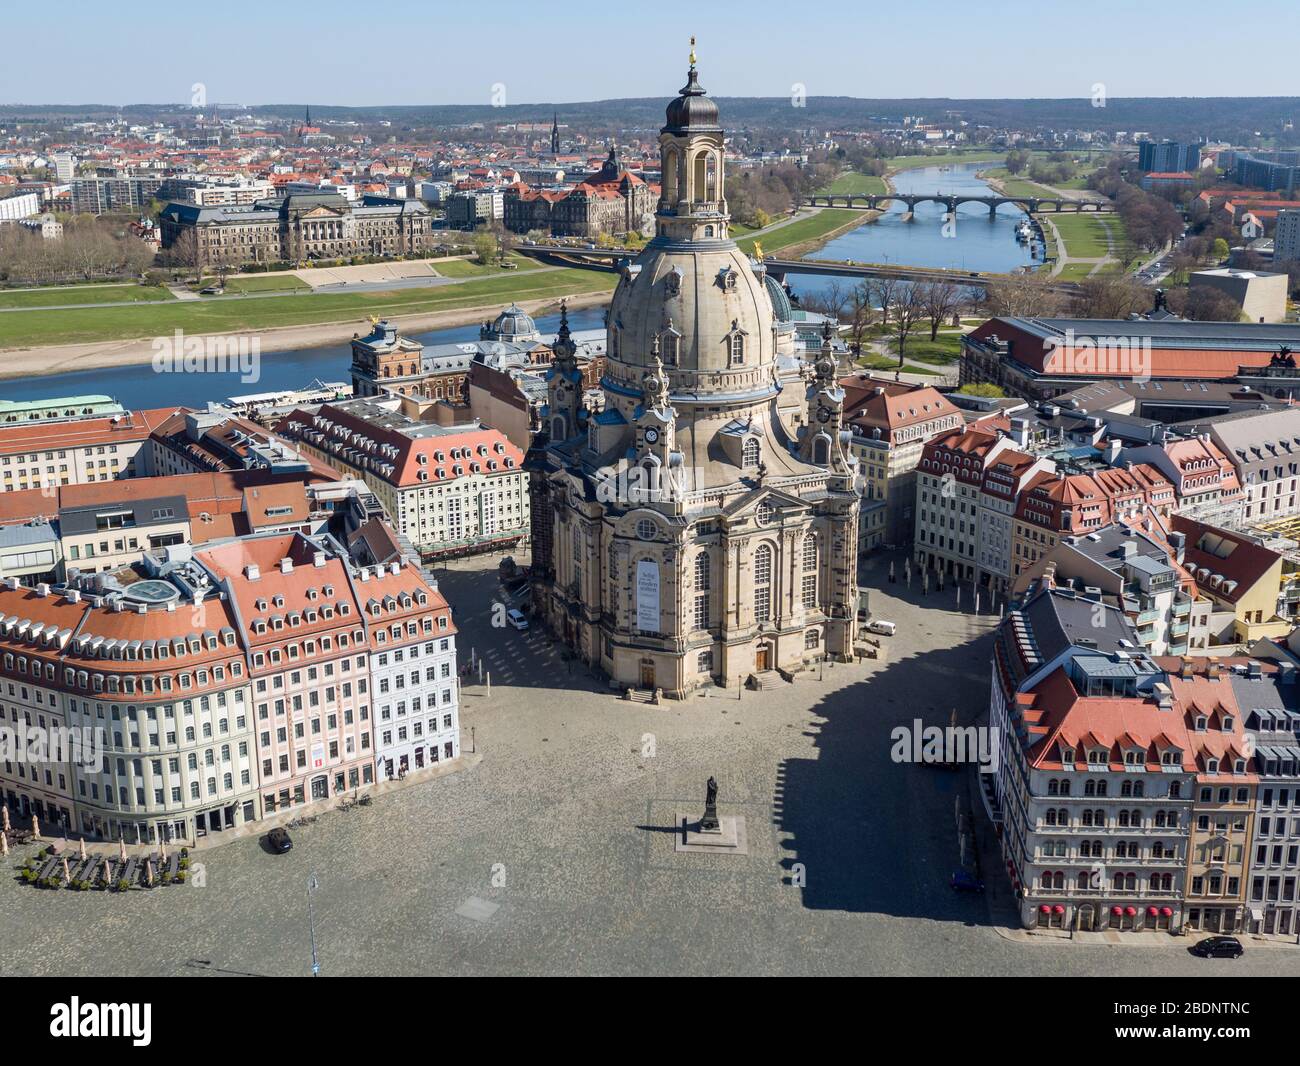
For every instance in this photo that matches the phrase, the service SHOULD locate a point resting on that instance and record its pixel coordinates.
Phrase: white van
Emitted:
(516, 619)
(879, 625)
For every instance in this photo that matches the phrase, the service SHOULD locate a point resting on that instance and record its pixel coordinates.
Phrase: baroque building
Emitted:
(612, 200)
(682, 534)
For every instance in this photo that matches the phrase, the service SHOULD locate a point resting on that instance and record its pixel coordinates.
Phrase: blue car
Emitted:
(961, 881)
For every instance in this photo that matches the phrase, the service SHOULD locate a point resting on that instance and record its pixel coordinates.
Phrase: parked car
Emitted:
(278, 841)
(516, 619)
(884, 628)
(964, 881)
(1218, 947)
(212, 290)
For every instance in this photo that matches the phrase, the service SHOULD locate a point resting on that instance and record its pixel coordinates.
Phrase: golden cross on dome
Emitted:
(692, 51)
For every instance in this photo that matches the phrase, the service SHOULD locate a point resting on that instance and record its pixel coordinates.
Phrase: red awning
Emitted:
(1058, 909)
(1130, 911)
(1117, 911)
(1152, 911)
(1045, 909)
(1167, 912)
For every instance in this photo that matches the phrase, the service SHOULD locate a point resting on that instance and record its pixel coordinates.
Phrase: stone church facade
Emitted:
(681, 534)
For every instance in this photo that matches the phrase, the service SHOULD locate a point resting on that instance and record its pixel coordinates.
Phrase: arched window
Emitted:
(763, 583)
(670, 346)
(559, 428)
(670, 175)
(810, 552)
(703, 572)
(749, 452)
(737, 348)
(821, 450)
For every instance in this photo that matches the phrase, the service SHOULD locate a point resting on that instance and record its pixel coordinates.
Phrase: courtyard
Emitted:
(552, 850)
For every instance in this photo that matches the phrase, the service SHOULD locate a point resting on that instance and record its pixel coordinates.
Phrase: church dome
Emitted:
(512, 324)
(691, 109)
(701, 309)
(782, 309)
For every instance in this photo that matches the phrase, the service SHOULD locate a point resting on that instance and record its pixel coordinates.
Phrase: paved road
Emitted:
(553, 855)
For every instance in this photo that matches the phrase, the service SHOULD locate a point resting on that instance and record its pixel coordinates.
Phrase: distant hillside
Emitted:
(1213, 117)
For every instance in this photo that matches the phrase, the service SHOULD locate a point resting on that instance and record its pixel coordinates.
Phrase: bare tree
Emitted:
(1021, 296)
(1110, 296)
(940, 299)
(900, 309)
(861, 315)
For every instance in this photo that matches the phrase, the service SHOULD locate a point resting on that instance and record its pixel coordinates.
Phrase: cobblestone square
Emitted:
(565, 825)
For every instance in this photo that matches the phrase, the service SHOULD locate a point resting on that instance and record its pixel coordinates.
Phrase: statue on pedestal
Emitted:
(709, 823)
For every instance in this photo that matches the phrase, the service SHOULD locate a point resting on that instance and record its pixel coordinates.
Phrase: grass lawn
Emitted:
(1084, 235)
(467, 268)
(266, 283)
(944, 349)
(125, 322)
(84, 294)
(1075, 271)
(805, 229)
(851, 183)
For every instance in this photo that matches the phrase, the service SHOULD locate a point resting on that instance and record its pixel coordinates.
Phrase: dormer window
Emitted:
(1067, 756)
(1212, 766)
(1227, 723)
(1201, 723)
(1239, 767)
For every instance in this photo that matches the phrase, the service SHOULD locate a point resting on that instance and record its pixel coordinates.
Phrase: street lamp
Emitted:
(312, 885)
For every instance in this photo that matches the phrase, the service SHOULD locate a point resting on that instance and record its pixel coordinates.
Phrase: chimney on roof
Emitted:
(1187, 670)
(286, 566)
(1212, 669)
(1049, 575)
(1178, 541)
(11, 583)
(1253, 669)
(142, 608)
(252, 572)
(397, 567)
(317, 559)
(72, 595)
(42, 589)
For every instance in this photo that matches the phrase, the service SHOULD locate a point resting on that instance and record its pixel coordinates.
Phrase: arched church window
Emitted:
(821, 450)
(708, 231)
(810, 552)
(737, 348)
(703, 572)
(749, 452)
(763, 583)
(559, 428)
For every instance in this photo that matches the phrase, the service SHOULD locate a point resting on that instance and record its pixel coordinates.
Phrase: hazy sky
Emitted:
(413, 52)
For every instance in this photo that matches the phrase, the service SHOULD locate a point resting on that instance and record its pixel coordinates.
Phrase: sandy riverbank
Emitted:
(66, 358)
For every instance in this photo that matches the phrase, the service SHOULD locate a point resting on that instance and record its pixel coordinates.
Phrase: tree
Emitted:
(940, 300)
(1219, 250)
(1110, 296)
(1017, 160)
(982, 388)
(485, 246)
(861, 315)
(900, 309)
(1021, 296)
(1204, 304)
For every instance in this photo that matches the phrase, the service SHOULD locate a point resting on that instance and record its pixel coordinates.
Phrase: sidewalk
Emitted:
(1115, 939)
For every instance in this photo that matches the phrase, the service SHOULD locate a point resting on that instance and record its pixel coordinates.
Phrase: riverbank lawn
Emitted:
(942, 159)
(944, 350)
(128, 322)
(266, 283)
(812, 228)
(1085, 236)
(84, 294)
(468, 268)
(852, 183)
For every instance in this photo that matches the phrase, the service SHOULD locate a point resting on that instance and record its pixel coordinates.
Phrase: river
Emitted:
(977, 242)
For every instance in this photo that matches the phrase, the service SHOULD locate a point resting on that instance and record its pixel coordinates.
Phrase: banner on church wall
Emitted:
(647, 596)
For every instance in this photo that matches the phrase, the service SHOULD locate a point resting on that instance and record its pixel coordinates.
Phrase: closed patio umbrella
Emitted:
(121, 848)
(148, 871)
(4, 844)
(81, 848)
(67, 874)
(36, 825)
(4, 817)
